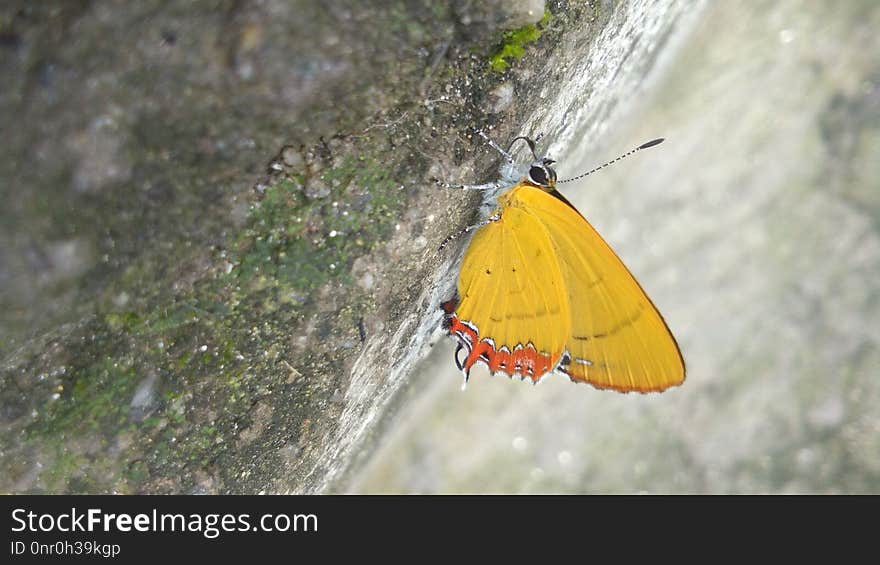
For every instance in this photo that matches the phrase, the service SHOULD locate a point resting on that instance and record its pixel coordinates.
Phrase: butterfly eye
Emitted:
(538, 175)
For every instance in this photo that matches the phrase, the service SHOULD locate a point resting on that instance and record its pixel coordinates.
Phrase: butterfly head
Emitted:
(541, 174)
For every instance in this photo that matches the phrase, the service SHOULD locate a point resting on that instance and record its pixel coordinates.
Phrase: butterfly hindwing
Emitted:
(512, 294)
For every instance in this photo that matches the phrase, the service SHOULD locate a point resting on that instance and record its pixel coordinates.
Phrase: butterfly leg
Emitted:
(507, 156)
(487, 186)
(493, 218)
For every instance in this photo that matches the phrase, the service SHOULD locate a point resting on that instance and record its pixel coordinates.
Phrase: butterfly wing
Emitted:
(513, 313)
(618, 339)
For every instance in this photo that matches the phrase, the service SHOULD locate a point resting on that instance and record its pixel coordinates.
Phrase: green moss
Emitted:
(137, 472)
(299, 241)
(126, 321)
(96, 400)
(513, 43)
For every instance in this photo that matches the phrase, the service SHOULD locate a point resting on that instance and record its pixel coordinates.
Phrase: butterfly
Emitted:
(539, 291)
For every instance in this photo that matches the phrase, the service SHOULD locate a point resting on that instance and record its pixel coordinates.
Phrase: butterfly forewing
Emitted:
(618, 338)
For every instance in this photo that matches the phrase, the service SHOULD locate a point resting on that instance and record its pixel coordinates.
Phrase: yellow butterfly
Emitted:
(540, 291)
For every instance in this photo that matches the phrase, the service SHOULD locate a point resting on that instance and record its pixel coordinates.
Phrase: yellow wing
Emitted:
(617, 339)
(514, 311)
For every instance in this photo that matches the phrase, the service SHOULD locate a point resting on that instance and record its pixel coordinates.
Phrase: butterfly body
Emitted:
(540, 291)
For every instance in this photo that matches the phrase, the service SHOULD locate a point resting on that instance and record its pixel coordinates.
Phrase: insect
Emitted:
(539, 291)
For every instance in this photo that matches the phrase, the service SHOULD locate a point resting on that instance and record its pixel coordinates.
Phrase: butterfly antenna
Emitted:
(529, 141)
(651, 143)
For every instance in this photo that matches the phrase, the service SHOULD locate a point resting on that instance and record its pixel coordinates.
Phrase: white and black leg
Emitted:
(493, 218)
(507, 156)
(487, 186)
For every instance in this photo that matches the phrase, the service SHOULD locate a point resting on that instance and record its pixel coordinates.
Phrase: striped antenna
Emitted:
(651, 143)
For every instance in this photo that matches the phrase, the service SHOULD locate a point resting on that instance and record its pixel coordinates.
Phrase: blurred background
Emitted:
(756, 231)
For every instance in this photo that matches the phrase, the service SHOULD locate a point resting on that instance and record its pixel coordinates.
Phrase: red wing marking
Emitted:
(523, 360)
